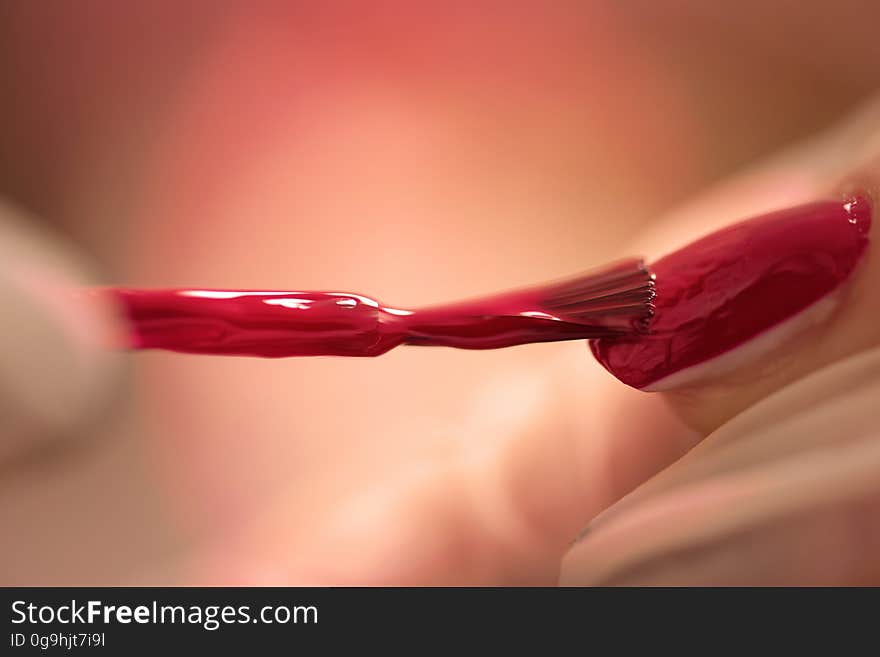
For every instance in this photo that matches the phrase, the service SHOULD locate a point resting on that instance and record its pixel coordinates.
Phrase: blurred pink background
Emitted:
(412, 151)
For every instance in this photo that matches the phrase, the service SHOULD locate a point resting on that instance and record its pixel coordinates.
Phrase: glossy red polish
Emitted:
(612, 301)
(732, 285)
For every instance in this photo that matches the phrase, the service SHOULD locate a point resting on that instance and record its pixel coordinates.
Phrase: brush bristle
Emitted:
(618, 298)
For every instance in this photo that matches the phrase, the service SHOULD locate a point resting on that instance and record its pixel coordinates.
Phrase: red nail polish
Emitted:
(729, 287)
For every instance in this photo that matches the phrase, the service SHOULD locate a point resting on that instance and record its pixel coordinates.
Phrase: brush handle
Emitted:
(278, 324)
(250, 323)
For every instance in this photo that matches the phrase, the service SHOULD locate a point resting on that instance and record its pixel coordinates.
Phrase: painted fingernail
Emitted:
(747, 284)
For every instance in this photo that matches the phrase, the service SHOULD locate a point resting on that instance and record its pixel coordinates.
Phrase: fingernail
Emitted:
(748, 284)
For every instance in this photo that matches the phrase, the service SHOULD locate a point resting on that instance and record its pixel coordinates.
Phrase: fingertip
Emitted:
(55, 368)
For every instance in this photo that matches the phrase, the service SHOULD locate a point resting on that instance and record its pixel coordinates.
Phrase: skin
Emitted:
(482, 481)
(737, 498)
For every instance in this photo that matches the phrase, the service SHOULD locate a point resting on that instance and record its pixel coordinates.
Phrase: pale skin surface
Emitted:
(425, 467)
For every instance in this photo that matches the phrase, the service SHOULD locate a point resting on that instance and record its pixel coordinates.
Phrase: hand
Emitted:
(55, 371)
(781, 488)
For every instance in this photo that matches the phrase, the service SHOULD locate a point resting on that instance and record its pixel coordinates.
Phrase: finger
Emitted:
(836, 325)
(786, 493)
(840, 162)
(54, 366)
